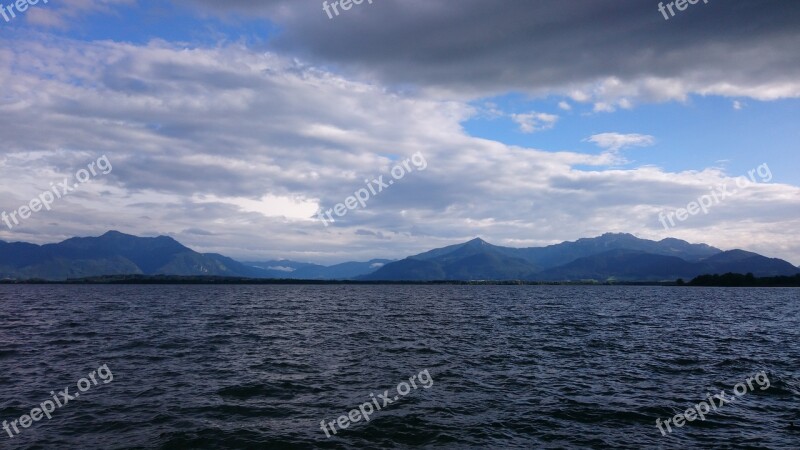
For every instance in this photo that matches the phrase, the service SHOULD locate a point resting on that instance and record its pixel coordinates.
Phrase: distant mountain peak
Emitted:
(118, 235)
(115, 233)
(614, 236)
(740, 252)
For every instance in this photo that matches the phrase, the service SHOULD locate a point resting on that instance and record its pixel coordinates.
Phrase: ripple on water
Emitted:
(512, 366)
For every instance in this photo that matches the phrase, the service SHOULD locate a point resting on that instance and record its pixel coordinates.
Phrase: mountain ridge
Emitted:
(611, 256)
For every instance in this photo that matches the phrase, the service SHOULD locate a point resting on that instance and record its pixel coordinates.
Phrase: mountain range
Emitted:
(610, 257)
(621, 257)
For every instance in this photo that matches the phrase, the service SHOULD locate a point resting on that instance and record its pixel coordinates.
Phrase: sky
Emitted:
(233, 126)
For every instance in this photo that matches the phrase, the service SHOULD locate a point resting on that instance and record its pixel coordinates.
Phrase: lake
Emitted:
(507, 366)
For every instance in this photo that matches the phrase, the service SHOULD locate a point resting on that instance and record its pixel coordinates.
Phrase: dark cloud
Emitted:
(731, 47)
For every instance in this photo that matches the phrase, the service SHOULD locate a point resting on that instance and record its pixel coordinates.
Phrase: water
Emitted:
(511, 366)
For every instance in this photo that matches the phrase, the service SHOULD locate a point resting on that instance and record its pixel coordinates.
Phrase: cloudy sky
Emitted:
(229, 124)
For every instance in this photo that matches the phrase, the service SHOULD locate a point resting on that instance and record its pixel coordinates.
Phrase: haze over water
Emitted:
(512, 366)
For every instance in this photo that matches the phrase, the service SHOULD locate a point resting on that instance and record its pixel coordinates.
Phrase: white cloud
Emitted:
(65, 13)
(603, 107)
(617, 141)
(244, 145)
(268, 205)
(534, 121)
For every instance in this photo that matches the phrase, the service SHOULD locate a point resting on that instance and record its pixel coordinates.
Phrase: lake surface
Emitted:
(510, 366)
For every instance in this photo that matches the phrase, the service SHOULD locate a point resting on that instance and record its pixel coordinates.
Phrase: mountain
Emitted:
(565, 252)
(621, 257)
(285, 268)
(304, 271)
(559, 254)
(740, 261)
(621, 265)
(115, 253)
(640, 266)
(474, 260)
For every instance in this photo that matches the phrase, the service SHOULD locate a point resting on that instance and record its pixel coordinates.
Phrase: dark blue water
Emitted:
(511, 367)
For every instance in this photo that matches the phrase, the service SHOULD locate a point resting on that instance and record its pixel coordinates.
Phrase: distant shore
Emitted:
(727, 280)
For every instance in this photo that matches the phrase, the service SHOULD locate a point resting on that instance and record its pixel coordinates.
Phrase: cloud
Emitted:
(603, 107)
(231, 143)
(64, 14)
(737, 105)
(267, 205)
(549, 47)
(533, 121)
(615, 142)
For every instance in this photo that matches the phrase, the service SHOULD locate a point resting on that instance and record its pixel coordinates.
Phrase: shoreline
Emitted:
(728, 280)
